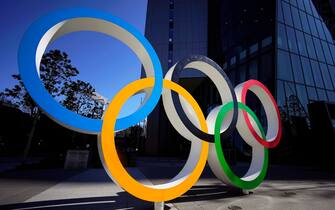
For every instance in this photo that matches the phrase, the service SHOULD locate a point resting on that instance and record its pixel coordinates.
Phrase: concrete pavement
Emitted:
(284, 188)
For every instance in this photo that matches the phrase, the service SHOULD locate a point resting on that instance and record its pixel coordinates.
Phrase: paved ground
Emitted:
(284, 188)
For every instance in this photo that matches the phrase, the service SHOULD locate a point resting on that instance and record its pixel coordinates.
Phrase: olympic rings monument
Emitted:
(184, 113)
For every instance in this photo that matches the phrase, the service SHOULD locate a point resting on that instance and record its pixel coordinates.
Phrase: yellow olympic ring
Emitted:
(112, 162)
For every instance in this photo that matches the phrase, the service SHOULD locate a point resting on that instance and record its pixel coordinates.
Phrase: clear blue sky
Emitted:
(103, 61)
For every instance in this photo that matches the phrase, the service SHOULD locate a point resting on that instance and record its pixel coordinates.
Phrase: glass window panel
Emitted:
(312, 25)
(287, 14)
(332, 51)
(312, 95)
(301, 4)
(320, 29)
(292, 42)
(280, 16)
(296, 18)
(294, 2)
(243, 54)
(233, 61)
(225, 65)
(290, 92)
(317, 74)
(304, 21)
(301, 43)
(326, 76)
(331, 96)
(307, 71)
(327, 52)
(302, 96)
(281, 101)
(308, 6)
(281, 39)
(318, 49)
(332, 73)
(322, 95)
(253, 48)
(267, 41)
(284, 70)
(310, 46)
(297, 70)
(253, 70)
(327, 33)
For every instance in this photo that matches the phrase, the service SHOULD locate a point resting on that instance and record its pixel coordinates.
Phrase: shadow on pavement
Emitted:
(122, 201)
(209, 192)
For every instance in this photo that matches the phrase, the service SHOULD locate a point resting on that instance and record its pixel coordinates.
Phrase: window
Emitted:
(327, 52)
(301, 93)
(332, 51)
(318, 49)
(267, 41)
(171, 33)
(301, 4)
(332, 73)
(233, 61)
(171, 14)
(331, 96)
(312, 95)
(284, 70)
(296, 18)
(312, 25)
(320, 29)
(224, 66)
(292, 42)
(297, 70)
(287, 14)
(280, 94)
(322, 94)
(308, 6)
(253, 48)
(326, 76)
(305, 25)
(294, 2)
(171, 5)
(243, 54)
(317, 74)
(282, 40)
(289, 90)
(307, 71)
(279, 12)
(301, 43)
(310, 46)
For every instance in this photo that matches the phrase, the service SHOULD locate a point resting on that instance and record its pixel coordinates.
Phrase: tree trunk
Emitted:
(30, 139)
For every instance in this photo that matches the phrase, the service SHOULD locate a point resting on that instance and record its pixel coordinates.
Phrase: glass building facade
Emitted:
(285, 44)
(305, 55)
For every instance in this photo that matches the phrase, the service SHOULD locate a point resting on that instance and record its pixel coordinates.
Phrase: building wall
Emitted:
(305, 56)
(176, 29)
(284, 43)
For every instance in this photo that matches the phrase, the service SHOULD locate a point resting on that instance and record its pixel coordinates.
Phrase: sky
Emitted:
(103, 61)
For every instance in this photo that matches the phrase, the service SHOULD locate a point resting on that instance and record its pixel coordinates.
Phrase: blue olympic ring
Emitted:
(33, 84)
